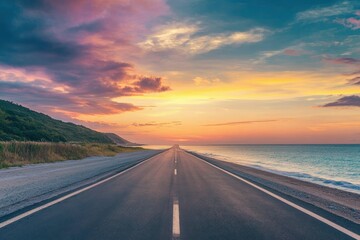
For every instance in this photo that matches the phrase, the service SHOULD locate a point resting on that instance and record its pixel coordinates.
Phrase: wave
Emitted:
(339, 184)
(344, 185)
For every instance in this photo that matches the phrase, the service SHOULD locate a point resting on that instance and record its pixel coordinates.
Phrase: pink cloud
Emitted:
(355, 23)
(77, 12)
(355, 81)
(293, 52)
(343, 60)
(78, 48)
(351, 22)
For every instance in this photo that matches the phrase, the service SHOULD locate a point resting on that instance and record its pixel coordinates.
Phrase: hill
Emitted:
(120, 141)
(22, 124)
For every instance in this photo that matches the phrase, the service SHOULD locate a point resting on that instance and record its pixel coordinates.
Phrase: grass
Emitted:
(19, 153)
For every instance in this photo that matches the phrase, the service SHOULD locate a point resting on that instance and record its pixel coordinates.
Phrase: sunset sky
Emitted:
(188, 71)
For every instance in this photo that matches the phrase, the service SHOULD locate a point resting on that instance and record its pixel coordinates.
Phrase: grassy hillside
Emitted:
(27, 137)
(20, 153)
(119, 140)
(22, 124)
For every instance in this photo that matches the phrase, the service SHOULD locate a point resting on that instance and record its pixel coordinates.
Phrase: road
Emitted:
(24, 186)
(173, 195)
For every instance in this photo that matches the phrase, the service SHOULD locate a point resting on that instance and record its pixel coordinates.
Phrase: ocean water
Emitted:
(336, 166)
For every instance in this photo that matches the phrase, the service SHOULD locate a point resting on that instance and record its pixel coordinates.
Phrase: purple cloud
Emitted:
(347, 101)
(293, 52)
(343, 60)
(65, 43)
(47, 100)
(355, 81)
(150, 84)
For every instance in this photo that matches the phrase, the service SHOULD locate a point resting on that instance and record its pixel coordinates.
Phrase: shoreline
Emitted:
(335, 166)
(326, 182)
(339, 202)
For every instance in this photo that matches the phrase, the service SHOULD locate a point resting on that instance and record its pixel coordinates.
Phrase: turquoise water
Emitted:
(336, 166)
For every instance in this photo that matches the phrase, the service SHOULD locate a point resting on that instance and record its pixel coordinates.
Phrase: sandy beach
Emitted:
(335, 201)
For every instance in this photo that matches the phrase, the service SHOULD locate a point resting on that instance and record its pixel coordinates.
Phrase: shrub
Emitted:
(19, 153)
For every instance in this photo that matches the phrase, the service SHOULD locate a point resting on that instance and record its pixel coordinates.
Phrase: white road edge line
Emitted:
(314, 215)
(176, 220)
(25, 214)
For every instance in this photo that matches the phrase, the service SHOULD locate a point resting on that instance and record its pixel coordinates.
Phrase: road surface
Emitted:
(173, 195)
(24, 186)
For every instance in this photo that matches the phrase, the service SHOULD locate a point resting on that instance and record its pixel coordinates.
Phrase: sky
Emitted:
(188, 71)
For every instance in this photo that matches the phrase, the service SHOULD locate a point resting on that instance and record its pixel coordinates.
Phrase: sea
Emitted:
(335, 165)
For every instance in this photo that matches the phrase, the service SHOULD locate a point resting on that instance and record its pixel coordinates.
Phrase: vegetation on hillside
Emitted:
(20, 153)
(27, 137)
(22, 124)
(119, 140)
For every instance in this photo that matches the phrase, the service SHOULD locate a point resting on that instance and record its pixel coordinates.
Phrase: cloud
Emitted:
(352, 22)
(25, 40)
(71, 51)
(205, 81)
(238, 123)
(266, 55)
(187, 38)
(355, 80)
(347, 101)
(352, 73)
(75, 95)
(343, 60)
(322, 14)
(353, 62)
(157, 124)
(293, 52)
(150, 84)
(49, 100)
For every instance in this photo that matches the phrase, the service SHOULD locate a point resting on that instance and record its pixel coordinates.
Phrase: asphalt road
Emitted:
(173, 195)
(27, 185)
